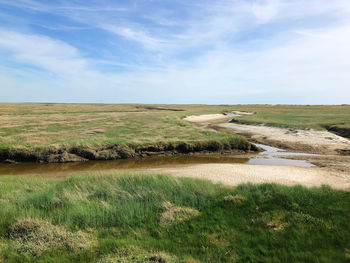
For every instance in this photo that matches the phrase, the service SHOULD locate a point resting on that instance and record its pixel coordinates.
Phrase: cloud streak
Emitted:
(227, 51)
(51, 55)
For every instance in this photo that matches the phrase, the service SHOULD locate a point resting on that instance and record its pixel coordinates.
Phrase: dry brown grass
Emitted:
(347, 254)
(137, 255)
(218, 240)
(175, 214)
(35, 236)
(29, 125)
(275, 221)
(237, 199)
(191, 260)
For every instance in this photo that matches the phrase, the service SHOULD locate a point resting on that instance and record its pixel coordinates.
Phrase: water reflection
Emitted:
(62, 169)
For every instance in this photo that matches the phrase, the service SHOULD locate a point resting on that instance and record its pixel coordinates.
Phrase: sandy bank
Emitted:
(234, 174)
(301, 140)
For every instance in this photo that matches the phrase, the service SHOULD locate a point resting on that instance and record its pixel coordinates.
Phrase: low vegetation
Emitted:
(334, 118)
(29, 125)
(34, 236)
(112, 217)
(76, 132)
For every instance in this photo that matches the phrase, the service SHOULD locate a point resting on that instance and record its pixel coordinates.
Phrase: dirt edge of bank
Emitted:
(344, 132)
(62, 154)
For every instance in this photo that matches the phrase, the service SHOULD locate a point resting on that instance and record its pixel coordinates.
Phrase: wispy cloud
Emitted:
(52, 55)
(223, 51)
(139, 36)
(60, 6)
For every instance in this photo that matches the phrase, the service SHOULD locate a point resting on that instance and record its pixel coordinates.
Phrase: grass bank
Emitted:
(65, 153)
(108, 217)
(74, 132)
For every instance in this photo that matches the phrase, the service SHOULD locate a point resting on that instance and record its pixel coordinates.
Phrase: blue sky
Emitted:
(175, 51)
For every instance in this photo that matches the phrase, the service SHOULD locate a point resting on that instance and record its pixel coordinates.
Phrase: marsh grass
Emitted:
(317, 117)
(133, 254)
(105, 135)
(123, 212)
(41, 125)
(34, 236)
(176, 214)
(57, 132)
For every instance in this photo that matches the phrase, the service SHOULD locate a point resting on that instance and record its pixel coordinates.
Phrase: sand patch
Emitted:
(235, 174)
(206, 118)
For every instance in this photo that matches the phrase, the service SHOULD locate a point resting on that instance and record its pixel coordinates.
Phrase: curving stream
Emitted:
(268, 157)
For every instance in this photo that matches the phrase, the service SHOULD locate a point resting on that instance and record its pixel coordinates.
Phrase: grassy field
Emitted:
(315, 117)
(155, 218)
(61, 132)
(100, 124)
(35, 131)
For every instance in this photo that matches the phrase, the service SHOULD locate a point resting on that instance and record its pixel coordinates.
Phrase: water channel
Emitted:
(270, 156)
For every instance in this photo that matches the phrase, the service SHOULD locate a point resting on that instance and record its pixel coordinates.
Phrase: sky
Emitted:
(175, 51)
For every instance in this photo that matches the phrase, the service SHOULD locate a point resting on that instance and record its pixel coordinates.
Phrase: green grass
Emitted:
(315, 117)
(121, 214)
(93, 125)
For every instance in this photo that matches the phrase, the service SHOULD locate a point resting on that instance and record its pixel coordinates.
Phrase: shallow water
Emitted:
(272, 154)
(63, 169)
(230, 114)
(268, 157)
(273, 151)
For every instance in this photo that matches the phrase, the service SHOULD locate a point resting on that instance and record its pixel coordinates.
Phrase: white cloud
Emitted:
(305, 63)
(52, 55)
(302, 70)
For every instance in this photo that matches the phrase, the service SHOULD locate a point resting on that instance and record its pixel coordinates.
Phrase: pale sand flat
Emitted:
(234, 174)
(206, 118)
